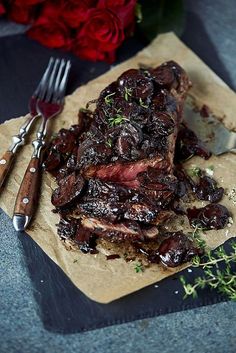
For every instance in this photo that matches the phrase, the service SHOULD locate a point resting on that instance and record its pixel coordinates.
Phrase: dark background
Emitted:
(210, 32)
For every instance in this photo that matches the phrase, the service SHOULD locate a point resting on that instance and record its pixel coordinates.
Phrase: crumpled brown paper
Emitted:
(99, 279)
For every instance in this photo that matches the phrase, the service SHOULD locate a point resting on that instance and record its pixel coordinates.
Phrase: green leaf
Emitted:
(109, 142)
(222, 279)
(142, 104)
(138, 267)
(159, 16)
(108, 99)
(117, 120)
(194, 171)
(128, 93)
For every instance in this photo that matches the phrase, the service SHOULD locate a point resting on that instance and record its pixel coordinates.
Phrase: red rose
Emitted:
(2, 8)
(124, 9)
(21, 14)
(27, 2)
(23, 11)
(49, 29)
(100, 35)
(74, 12)
(50, 32)
(51, 9)
(88, 52)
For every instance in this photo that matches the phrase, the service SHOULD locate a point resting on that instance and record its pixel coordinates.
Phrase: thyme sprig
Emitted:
(108, 99)
(139, 267)
(117, 119)
(128, 93)
(222, 279)
(109, 142)
(196, 236)
(142, 104)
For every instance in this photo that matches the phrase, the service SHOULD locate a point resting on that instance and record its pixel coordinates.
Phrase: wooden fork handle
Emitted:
(28, 195)
(5, 165)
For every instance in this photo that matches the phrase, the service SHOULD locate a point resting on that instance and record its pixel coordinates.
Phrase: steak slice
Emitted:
(115, 202)
(116, 175)
(122, 172)
(122, 186)
(147, 124)
(68, 191)
(85, 231)
(116, 232)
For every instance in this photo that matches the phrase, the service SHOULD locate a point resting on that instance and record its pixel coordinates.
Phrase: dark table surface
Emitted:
(210, 31)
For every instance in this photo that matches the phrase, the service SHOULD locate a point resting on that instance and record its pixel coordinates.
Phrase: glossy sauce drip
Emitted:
(134, 119)
(177, 249)
(188, 145)
(213, 216)
(207, 190)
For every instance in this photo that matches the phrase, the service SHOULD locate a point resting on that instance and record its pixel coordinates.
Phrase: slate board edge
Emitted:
(146, 315)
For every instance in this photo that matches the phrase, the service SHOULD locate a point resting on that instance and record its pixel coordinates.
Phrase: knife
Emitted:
(215, 136)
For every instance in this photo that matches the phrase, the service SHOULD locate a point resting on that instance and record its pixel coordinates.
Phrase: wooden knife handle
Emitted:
(5, 165)
(28, 195)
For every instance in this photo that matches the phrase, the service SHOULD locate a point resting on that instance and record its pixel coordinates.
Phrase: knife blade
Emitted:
(212, 132)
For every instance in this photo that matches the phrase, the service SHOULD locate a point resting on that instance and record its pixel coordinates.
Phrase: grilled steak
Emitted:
(135, 124)
(115, 171)
(123, 177)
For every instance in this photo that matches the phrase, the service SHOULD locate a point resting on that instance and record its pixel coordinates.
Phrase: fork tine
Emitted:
(49, 87)
(44, 78)
(60, 92)
(58, 78)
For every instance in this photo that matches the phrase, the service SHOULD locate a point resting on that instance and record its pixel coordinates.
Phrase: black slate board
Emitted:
(63, 308)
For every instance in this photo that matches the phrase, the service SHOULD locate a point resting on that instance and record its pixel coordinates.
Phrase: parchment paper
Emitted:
(99, 279)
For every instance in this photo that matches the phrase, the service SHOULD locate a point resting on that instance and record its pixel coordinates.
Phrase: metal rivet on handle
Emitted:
(25, 200)
(32, 170)
(3, 161)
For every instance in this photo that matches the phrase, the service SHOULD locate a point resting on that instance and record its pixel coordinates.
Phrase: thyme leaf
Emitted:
(117, 120)
(108, 99)
(223, 278)
(194, 171)
(142, 104)
(109, 142)
(196, 236)
(128, 93)
(138, 267)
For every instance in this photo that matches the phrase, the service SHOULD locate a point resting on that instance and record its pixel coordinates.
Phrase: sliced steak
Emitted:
(115, 202)
(122, 172)
(115, 170)
(145, 137)
(68, 191)
(115, 232)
